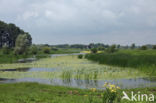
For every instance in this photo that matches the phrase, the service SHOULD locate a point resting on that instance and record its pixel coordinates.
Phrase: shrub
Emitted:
(154, 47)
(144, 47)
(34, 49)
(46, 50)
(94, 50)
(80, 56)
(111, 49)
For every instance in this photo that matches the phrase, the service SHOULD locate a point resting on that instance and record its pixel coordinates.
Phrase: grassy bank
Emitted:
(12, 58)
(39, 93)
(144, 60)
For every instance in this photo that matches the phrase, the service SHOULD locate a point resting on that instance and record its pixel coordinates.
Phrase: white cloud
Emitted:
(85, 18)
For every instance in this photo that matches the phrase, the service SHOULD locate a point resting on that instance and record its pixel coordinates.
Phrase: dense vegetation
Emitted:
(140, 59)
(9, 33)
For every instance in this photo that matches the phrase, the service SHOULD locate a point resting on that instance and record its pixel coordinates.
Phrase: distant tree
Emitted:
(112, 49)
(154, 47)
(54, 48)
(22, 43)
(94, 50)
(118, 46)
(34, 49)
(46, 50)
(91, 45)
(144, 47)
(133, 46)
(9, 34)
(101, 48)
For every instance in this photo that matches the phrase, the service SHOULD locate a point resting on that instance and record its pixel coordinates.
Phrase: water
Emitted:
(84, 84)
(78, 83)
(30, 70)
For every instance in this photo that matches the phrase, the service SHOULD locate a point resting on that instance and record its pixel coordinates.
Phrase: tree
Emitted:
(46, 50)
(94, 50)
(144, 47)
(133, 46)
(34, 49)
(154, 47)
(111, 49)
(22, 43)
(9, 34)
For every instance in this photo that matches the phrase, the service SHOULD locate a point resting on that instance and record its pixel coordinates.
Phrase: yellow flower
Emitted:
(113, 91)
(85, 95)
(113, 86)
(118, 87)
(106, 84)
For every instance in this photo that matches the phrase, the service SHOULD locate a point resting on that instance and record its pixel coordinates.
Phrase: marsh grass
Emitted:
(140, 60)
(71, 67)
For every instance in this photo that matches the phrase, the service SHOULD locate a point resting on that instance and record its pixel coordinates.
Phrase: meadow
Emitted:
(41, 93)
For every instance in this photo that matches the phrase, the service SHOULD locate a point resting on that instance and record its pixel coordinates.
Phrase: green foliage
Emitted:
(144, 47)
(101, 48)
(154, 47)
(22, 43)
(34, 49)
(5, 50)
(9, 33)
(80, 56)
(133, 46)
(46, 50)
(39, 93)
(111, 49)
(141, 60)
(94, 50)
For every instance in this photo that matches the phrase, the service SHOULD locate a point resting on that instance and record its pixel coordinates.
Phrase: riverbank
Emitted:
(39, 93)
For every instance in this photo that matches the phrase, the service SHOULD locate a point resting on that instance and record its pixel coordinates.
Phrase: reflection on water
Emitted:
(123, 83)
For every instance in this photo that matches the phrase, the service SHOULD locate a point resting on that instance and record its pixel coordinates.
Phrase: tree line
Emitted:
(12, 37)
(9, 34)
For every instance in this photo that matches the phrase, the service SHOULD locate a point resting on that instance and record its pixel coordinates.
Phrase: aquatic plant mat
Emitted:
(71, 71)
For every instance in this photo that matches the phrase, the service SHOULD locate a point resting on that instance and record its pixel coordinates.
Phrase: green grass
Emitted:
(65, 51)
(11, 58)
(143, 60)
(39, 93)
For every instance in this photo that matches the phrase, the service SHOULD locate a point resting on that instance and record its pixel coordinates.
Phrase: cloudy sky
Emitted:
(84, 21)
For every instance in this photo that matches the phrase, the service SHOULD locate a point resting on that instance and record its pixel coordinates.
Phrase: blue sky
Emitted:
(84, 21)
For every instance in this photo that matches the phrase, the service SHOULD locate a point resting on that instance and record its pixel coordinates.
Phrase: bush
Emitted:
(80, 56)
(34, 49)
(154, 47)
(46, 50)
(143, 47)
(111, 49)
(94, 50)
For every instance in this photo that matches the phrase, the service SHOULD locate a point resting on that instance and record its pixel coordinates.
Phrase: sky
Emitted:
(83, 21)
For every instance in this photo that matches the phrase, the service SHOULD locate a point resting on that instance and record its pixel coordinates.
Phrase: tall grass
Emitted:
(143, 60)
